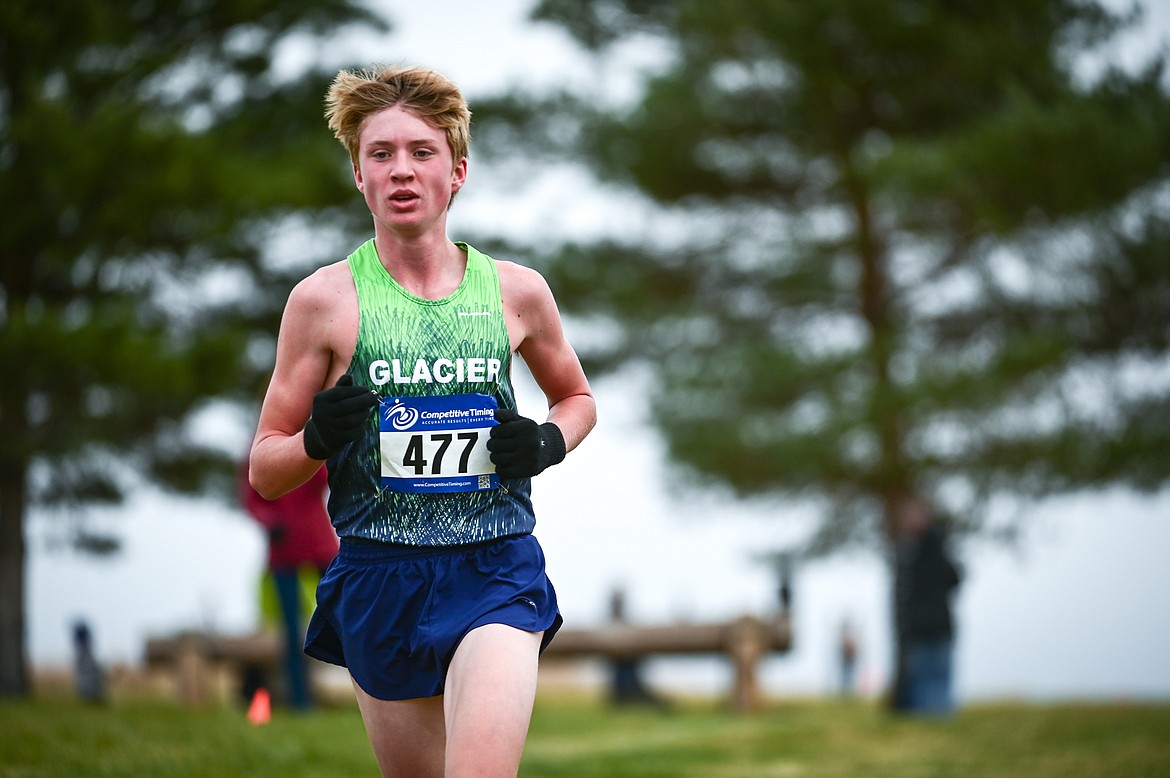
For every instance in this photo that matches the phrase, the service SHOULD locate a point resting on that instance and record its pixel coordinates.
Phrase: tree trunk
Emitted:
(14, 680)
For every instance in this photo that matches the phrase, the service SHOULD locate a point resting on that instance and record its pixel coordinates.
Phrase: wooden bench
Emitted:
(208, 667)
(744, 641)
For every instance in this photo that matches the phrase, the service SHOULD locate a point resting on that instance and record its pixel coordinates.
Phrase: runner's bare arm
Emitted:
(314, 322)
(537, 333)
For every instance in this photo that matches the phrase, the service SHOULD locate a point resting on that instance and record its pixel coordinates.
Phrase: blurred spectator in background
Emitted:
(88, 676)
(301, 544)
(626, 684)
(847, 655)
(924, 581)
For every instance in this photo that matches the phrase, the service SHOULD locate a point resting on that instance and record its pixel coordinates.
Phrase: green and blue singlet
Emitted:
(420, 473)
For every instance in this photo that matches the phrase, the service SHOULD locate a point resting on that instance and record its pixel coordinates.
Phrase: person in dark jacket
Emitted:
(925, 581)
(88, 675)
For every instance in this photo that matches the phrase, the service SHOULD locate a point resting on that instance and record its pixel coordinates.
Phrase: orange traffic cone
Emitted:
(260, 710)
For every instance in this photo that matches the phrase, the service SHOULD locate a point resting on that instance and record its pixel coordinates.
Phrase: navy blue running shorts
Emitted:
(394, 615)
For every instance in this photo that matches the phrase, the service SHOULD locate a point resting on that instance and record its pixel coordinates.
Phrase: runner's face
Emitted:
(406, 172)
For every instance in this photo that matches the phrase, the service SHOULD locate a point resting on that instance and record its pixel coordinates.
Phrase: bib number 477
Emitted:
(437, 444)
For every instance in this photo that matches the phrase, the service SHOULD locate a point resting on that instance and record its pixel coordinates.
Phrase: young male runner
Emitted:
(394, 365)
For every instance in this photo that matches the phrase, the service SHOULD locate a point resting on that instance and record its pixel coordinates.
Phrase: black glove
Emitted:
(339, 416)
(521, 448)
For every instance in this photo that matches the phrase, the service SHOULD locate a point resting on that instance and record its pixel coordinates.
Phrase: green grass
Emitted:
(571, 737)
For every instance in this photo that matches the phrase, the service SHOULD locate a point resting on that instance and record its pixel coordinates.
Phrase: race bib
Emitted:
(437, 444)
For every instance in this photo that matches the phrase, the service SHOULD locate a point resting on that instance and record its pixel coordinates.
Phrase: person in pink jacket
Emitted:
(299, 536)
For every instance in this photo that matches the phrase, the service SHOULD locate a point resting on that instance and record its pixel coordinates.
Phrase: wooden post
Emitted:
(192, 671)
(746, 646)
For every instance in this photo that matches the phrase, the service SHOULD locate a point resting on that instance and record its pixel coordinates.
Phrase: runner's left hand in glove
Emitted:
(521, 448)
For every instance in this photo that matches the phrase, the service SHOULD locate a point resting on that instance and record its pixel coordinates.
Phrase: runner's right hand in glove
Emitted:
(339, 416)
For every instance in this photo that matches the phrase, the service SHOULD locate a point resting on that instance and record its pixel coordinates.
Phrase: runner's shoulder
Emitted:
(521, 284)
(323, 288)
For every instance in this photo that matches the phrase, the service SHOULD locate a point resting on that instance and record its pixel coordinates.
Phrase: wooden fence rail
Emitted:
(196, 658)
(744, 641)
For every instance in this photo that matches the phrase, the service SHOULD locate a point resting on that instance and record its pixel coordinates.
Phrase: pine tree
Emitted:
(149, 152)
(901, 249)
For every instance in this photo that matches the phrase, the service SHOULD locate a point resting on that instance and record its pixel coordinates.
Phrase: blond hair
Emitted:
(354, 96)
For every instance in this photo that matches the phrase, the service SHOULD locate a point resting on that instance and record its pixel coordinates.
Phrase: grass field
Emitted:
(576, 737)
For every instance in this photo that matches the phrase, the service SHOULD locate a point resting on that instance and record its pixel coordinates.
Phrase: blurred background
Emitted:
(816, 256)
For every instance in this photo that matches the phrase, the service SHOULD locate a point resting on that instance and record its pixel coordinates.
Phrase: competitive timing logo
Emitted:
(400, 416)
